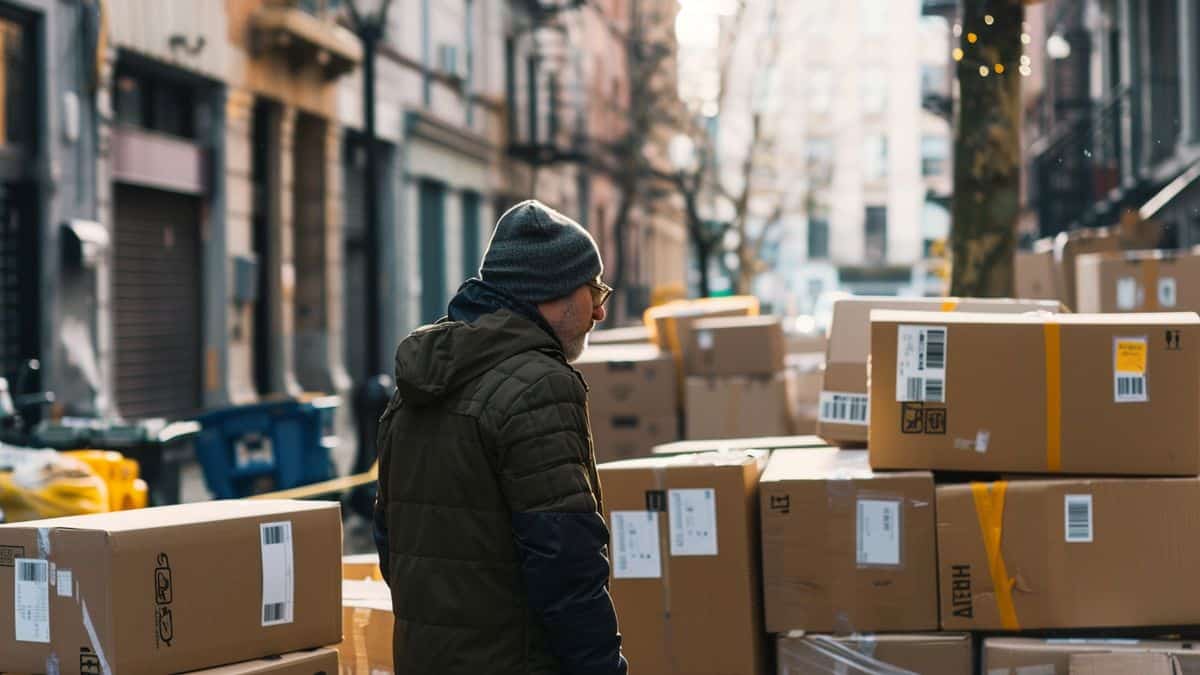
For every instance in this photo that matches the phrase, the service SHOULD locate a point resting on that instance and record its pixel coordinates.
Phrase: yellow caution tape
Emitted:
(989, 508)
(326, 487)
(1052, 335)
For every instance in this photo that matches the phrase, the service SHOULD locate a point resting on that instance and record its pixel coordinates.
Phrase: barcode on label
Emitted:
(1078, 518)
(935, 349)
(274, 613)
(1131, 388)
(274, 534)
(33, 571)
(844, 408)
(921, 364)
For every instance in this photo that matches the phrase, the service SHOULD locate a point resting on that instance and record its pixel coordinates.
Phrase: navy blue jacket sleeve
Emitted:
(543, 460)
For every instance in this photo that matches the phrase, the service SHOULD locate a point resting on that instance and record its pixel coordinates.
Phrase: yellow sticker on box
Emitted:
(1131, 355)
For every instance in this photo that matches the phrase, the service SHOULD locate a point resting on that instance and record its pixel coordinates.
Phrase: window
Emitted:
(875, 157)
(818, 238)
(16, 85)
(935, 155)
(934, 80)
(820, 90)
(875, 234)
(873, 16)
(155, 104)
(874, 91)
(819, 156)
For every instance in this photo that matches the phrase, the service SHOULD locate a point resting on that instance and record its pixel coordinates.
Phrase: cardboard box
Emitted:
(314, 662)
(737, 406)
(928, 654)
(1139, 281)
(369, 623)
(751, 345)
(1036, 276)
(1109, 394)
(1076, 553)
(361, 566)
(170, 589)
(671, 324)
(1018, 656)
(625, 436)
(805, 374)
(845, 549)
(844, 401)
(630, 335)
(738, 444)
(629, 380)
(685, 558)
(1144, 663)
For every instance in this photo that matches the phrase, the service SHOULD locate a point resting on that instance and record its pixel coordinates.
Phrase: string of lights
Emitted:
(989, 67)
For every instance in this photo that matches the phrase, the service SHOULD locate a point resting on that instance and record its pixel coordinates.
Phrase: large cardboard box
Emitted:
(1068, 246)
(738, 444)
(844, 401)
(927, 654)
(805, 374)
(845, 549)
(361, 566)
(368, 622)
(737, 406)
(1018, 656)
(629, 379)
(313, 662)
(1139, 281)
(671, 325)
(633, 399)
(750, 345)
(1070, 553)
(685, 556)
(1115, 394)
(170, 589)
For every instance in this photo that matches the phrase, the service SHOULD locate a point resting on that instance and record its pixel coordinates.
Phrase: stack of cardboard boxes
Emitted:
(228, 587)
(632, 399)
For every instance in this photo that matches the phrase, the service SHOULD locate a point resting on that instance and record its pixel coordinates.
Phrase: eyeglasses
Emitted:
(601, 292)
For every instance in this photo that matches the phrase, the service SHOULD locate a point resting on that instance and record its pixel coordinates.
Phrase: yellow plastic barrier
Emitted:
(120, 474)
(46, 484)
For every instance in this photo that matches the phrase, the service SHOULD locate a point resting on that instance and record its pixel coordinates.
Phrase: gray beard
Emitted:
(574, 348)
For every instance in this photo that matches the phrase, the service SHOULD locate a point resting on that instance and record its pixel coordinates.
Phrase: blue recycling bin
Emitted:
(272, 445)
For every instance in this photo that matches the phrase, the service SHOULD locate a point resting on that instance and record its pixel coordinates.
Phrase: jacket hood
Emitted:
(437, 359)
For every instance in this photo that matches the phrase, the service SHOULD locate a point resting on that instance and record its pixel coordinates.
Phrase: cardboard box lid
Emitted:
(626, 335)
(876, 654)
(734, 444)
(827, 463)
(177, 515)
(721, 322)
(739, 457)
(622, 354)
(1144, 663)
(849, 341)
(322, 661)
(1037, 318)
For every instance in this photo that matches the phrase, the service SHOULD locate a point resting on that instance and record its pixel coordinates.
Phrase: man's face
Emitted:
(572, 318)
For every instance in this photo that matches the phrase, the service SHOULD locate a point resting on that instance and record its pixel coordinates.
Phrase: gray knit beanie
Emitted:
(538, 254)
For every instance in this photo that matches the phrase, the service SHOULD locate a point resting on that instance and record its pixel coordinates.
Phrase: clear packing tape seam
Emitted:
(823, 655)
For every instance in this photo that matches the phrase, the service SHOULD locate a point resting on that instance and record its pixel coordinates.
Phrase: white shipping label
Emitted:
(705, 339)
(844, 408)
(1077, 514)
(32, 606)
(1127, 293)
(1167, 296)
(693, 521)
(65, 584)
(878, 532)
(635, 545)
(921, 364)
(1130, 356)
(278, 575)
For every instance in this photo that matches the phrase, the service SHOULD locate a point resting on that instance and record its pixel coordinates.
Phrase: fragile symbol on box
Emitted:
(781, 504)
(917, 418)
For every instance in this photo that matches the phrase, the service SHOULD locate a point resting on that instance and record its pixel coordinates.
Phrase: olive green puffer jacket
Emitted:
(488, 513)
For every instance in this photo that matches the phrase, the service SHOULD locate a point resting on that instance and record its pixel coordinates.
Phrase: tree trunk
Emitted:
(987, 149)
(703, 257)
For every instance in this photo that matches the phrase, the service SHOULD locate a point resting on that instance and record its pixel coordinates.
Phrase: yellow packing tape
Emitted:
(989, 507)
(326, 487)
(949, 304)
(1052, 335)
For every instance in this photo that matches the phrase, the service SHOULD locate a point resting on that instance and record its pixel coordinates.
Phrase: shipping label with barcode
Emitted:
(635, 545)
(32, 605)
(1079, 519)
(1168, 294)
(921, 364)
(1128, 291)
(693, 516)
(878, 532)
(1129, 370)
(278, 574)
(841, 407)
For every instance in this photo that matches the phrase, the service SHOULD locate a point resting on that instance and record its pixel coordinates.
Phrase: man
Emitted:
(488, 516)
